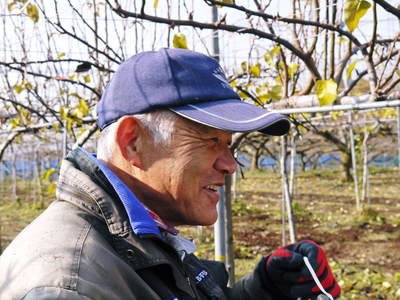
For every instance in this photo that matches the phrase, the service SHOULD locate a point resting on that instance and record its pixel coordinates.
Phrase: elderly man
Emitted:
(166, 118)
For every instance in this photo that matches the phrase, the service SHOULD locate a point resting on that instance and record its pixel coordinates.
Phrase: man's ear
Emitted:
(127, 137)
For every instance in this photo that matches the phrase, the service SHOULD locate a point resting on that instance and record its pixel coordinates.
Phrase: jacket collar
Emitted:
(140, 220)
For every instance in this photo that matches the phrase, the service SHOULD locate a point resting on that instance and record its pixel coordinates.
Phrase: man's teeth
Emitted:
(212, 187)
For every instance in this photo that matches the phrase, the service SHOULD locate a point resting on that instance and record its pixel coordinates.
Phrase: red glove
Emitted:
(287, 271)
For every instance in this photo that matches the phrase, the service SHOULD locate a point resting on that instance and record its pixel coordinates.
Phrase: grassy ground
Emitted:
(363, 245)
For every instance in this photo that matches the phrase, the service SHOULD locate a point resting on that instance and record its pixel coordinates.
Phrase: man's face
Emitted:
(182, 180)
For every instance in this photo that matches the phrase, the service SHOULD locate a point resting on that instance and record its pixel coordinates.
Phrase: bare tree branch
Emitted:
(7, 143)
(386, 6)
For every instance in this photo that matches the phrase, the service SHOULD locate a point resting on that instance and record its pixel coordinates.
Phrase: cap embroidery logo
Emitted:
(220, 75)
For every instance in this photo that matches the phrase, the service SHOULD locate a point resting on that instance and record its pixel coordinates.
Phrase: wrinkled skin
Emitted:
(176, 179)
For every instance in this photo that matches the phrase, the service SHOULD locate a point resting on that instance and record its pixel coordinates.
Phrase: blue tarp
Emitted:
(264, 161)
(25, 168)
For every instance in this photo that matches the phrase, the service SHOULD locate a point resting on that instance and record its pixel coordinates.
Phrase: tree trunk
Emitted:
(254, 160)
(345, 168)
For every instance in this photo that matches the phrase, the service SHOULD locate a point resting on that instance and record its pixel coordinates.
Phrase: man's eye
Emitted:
(215, 140)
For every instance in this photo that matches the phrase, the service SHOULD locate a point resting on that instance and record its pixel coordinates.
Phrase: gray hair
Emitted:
(160, 124)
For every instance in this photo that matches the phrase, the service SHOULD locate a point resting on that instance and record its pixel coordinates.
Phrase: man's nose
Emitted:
(226, 163)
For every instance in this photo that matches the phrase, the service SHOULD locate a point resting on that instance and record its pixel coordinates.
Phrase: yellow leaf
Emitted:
(263, 98)
(255, 70)
(275, 92)
(342, 40)
(18, 88)
(64, 112)
(244, 65)
(48, 173)
(179, 41)
(25, 115)
(74, 95)
(275, 51)
(60, 55)
(234, 84)
(155, 3)
(56, 127)
(87, 79)
(69, 124)
(51, 188)
(326, 91)
(226, 1)
(83, 108)
(80, 132)
(14, 123)
(269, 60)
(242, 95)
(336, 114)
(32, 12)
(11, 5)
(367, 128)
(354, 10)
(350, 69)
(386, 113)
(291, 70)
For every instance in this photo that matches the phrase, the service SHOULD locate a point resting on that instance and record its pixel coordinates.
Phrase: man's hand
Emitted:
(287, 271)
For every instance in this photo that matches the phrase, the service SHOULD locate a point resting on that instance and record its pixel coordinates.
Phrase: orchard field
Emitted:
(363, 245)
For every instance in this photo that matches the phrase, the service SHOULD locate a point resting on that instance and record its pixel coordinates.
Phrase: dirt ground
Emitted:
(331, 219)
(374, 244)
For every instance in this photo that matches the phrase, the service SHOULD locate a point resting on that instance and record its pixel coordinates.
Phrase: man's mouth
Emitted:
(212, 187)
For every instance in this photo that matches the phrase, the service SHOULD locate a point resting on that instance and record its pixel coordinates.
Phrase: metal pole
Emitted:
(342, 107)
(353, 159)
(215, 37)
(219, 228)
(229, 261)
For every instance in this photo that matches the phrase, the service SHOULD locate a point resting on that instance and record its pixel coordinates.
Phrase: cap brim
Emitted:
(235, 116)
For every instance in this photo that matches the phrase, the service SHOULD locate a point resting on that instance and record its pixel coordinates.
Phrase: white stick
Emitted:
(314, 276)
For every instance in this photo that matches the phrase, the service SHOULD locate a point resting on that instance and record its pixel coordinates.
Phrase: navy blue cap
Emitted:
(189, 83)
